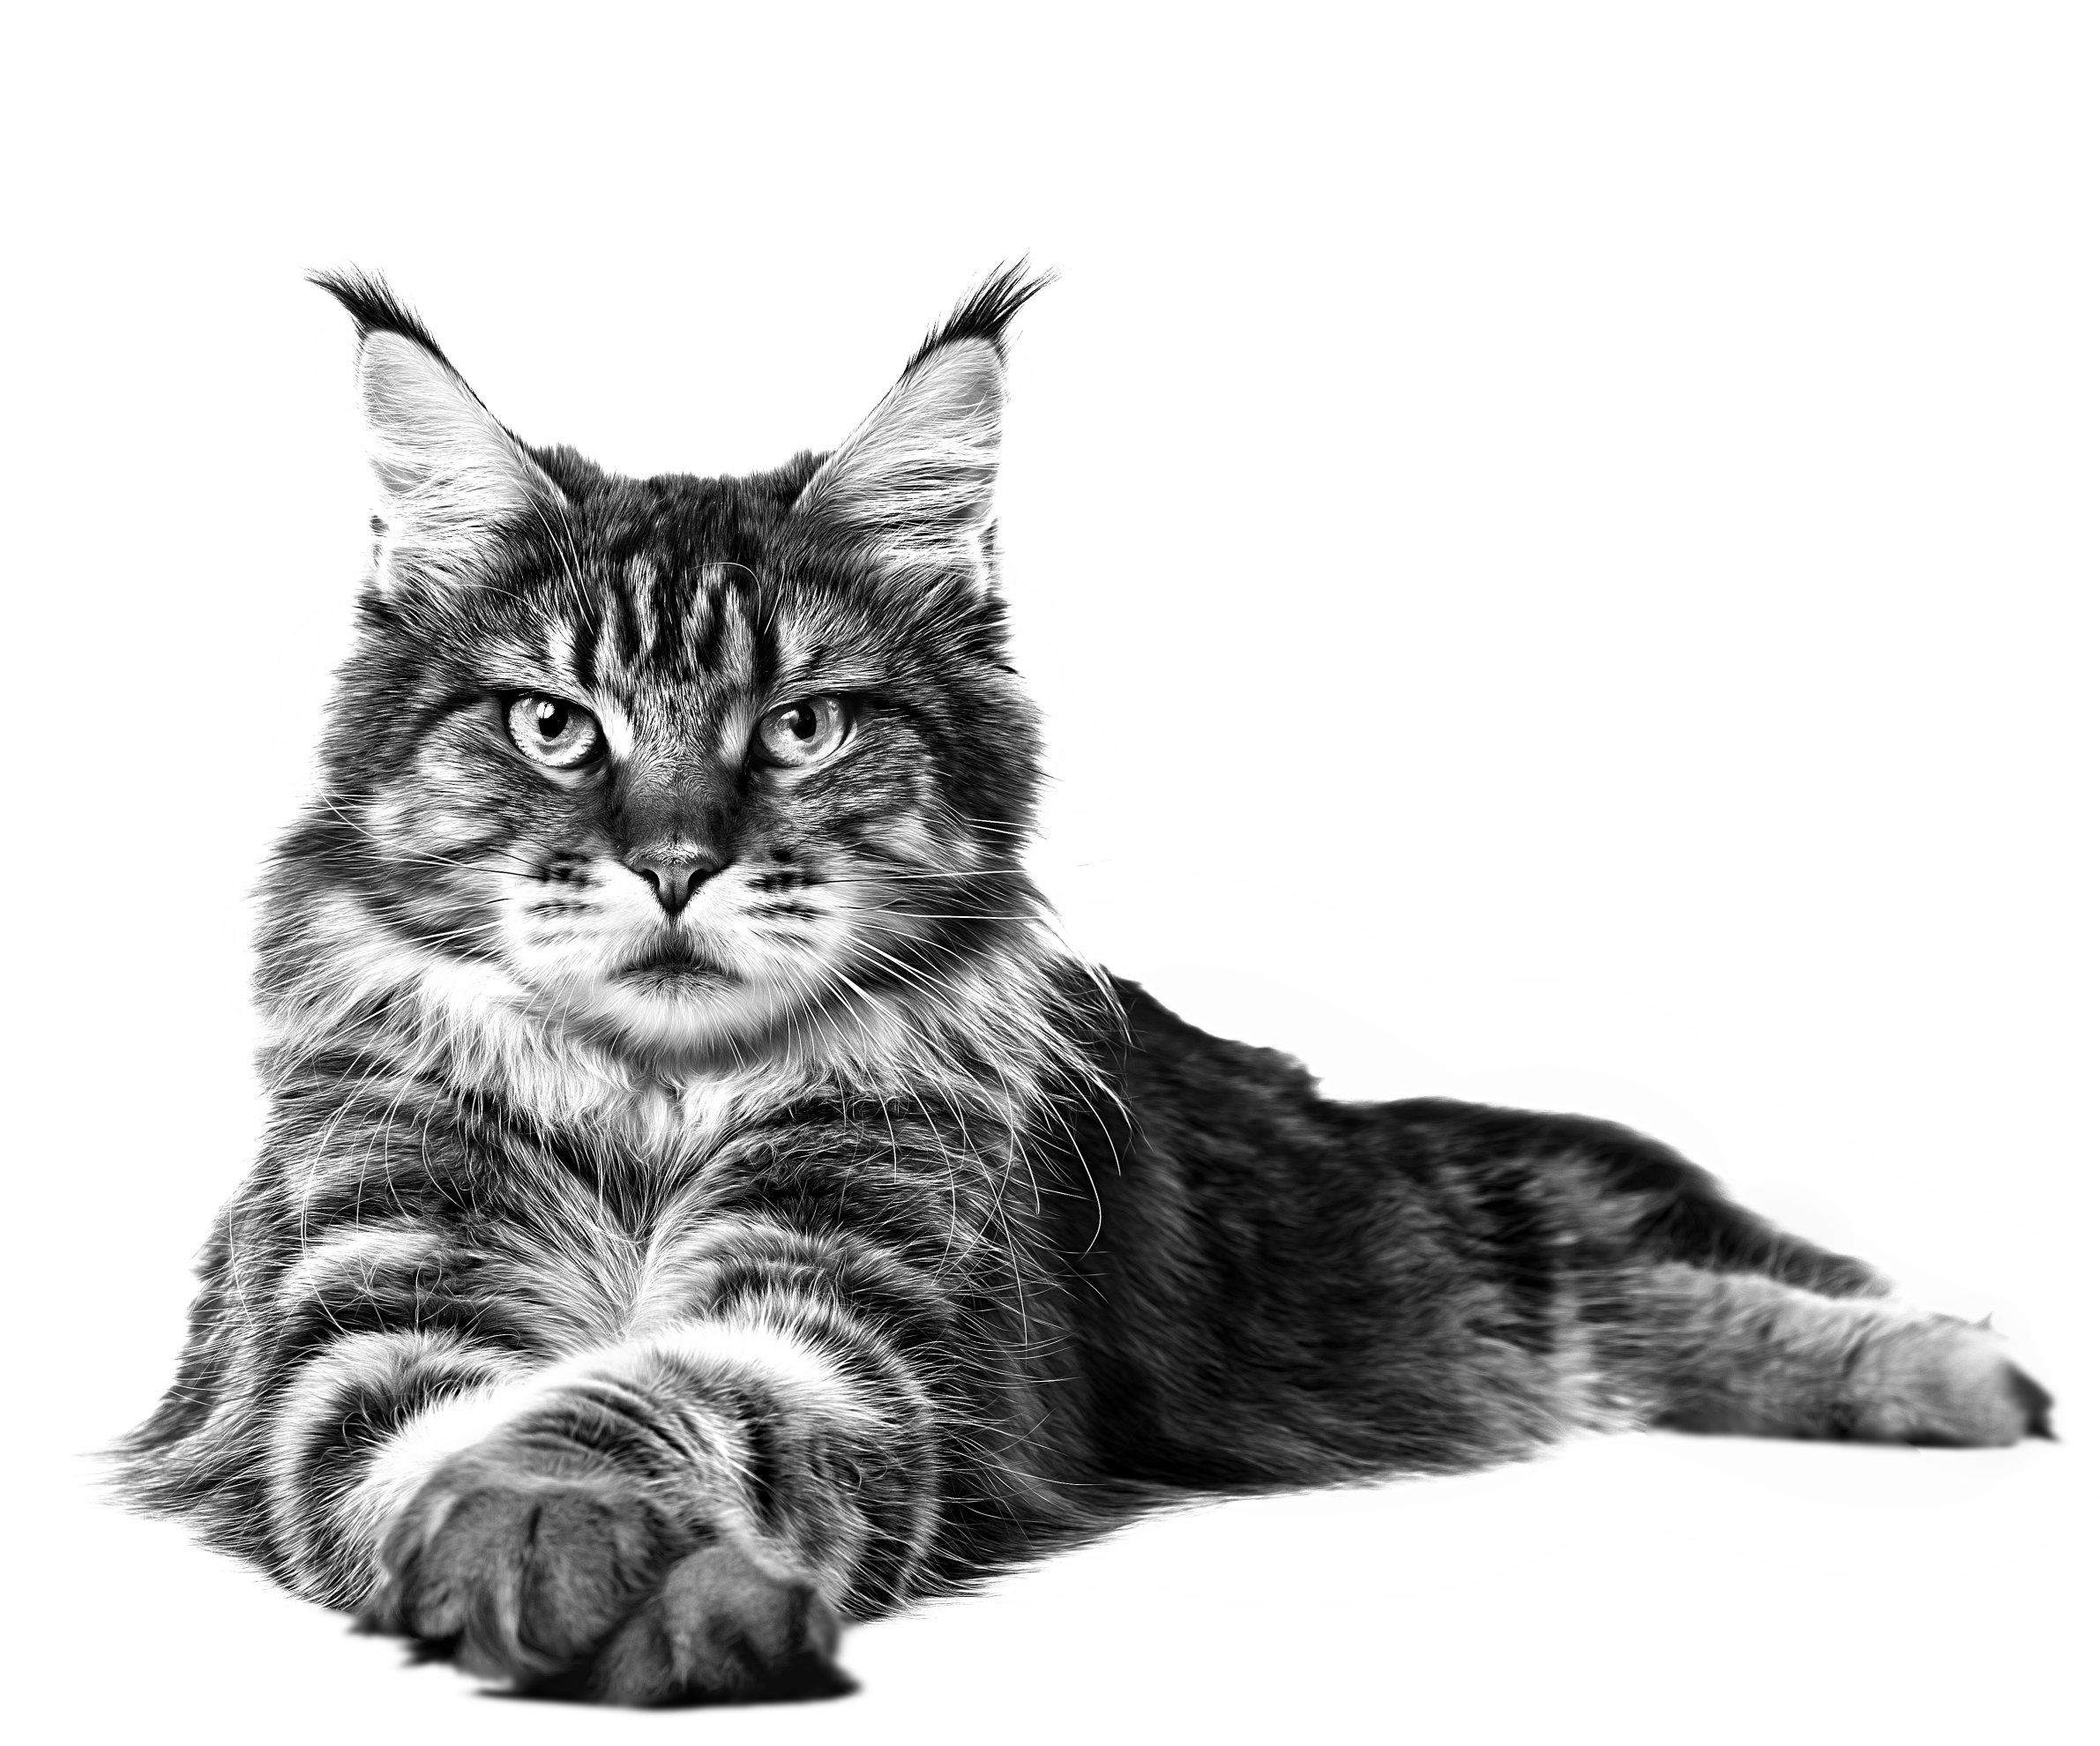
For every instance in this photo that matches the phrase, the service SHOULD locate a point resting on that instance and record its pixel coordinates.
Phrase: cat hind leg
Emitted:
(1746, 1354)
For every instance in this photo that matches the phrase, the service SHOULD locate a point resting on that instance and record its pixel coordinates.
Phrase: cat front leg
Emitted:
(682, 1519)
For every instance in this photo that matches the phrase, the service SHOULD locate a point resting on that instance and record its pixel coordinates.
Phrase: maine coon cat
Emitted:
(703, 1202)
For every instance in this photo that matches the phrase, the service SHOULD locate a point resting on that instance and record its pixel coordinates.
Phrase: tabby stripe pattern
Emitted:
(703, 1197)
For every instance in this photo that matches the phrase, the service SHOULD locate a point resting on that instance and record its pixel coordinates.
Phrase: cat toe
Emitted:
(2034, 1400)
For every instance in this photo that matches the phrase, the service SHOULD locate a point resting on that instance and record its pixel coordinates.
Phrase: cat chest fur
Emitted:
(555, 1239)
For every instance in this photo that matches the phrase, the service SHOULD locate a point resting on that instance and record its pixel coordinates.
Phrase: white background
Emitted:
(1557, 545)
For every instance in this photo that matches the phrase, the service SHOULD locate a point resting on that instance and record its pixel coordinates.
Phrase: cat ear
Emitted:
(450, 477)
(913, 485)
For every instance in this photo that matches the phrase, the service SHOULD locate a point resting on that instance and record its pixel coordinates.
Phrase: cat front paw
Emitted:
(574, 1587)
(516, 1575)
(725, 1626)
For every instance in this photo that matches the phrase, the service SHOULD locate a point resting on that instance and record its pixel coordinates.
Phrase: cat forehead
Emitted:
(672, 634)
(677, 593)
(652, 619)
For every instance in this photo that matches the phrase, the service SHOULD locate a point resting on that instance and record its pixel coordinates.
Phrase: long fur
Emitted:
(626, 1292)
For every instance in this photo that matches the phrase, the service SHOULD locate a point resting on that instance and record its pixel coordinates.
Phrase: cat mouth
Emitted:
(672, 964)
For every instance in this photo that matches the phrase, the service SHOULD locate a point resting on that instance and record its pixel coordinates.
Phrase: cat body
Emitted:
(703, 1200)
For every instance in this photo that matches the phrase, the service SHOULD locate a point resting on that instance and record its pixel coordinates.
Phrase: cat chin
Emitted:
(680, 985)
(675, 1019)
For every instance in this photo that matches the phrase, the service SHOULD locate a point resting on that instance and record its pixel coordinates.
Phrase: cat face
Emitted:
(694, 767)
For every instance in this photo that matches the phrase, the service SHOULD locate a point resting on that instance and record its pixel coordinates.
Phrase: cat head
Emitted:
(697, 768)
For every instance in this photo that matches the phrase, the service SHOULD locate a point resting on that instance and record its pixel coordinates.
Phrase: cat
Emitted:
(702, 1201)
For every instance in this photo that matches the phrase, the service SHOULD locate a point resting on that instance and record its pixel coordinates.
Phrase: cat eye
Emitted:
(802, 733)
(560, 735)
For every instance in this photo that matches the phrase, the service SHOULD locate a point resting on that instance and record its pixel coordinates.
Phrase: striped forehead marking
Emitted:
(640, 585)
(561, 645)
(647, 625)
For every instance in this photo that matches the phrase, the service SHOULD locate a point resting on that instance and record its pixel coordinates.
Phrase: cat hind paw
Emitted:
(1950, 1384)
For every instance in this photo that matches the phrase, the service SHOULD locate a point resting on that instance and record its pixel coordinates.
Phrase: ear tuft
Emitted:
(913, 484)
(450, 476)
(373, 307)
(985, 312)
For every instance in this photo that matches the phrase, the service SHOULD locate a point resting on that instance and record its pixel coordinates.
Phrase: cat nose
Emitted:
(674, 874)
